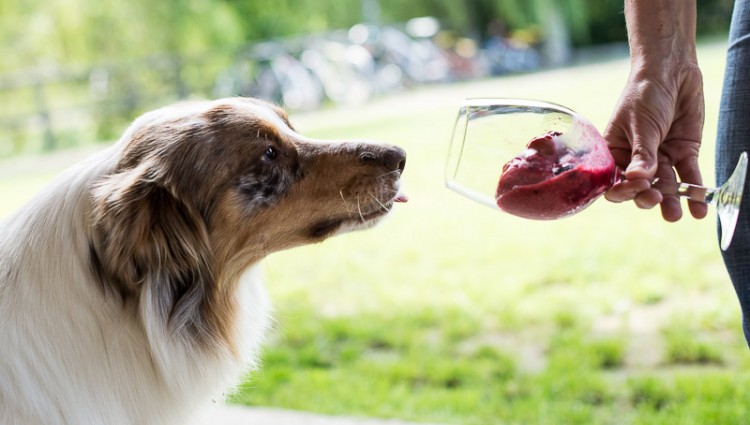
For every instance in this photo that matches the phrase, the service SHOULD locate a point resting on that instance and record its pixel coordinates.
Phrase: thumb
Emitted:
(642, 161)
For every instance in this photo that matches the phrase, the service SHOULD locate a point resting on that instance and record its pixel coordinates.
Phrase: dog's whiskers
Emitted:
(389, 173)
(359, 209)
(382, 205)
(343, 199)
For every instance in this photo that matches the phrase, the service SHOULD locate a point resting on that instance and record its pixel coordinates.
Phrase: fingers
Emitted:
(671, 210)
(627, 190)
(636, 190)
(641, 167)
(646, 196)
(648, 199)
(689, 172)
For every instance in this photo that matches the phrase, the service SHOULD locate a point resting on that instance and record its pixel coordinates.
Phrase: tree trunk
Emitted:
(557, 47)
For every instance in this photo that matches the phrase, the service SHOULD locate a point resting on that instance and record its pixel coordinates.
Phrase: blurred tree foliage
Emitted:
(72, 32)
(75, 32)
(102, 62)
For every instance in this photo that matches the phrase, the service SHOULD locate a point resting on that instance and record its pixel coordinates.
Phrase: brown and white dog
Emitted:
(127, 287)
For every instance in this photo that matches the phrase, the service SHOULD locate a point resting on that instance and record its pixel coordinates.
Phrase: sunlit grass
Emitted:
(451, 312)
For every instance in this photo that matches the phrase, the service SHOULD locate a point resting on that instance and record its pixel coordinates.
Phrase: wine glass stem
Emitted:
(686, 190)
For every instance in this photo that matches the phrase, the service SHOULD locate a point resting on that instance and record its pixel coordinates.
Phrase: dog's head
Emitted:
(202, 190)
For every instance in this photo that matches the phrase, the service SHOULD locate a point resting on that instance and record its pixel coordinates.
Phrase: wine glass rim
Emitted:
(478, 102)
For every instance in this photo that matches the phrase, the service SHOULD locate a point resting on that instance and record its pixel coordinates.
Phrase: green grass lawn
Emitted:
(450, 312)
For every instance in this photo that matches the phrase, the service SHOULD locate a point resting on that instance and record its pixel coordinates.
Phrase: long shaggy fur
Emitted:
(129, 291)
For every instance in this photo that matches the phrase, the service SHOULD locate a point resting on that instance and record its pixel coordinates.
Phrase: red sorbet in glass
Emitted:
(549, 180)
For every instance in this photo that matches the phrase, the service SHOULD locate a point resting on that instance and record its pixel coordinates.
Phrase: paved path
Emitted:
(238, 415)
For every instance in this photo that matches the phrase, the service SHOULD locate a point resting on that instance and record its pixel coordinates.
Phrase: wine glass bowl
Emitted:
(543, 161)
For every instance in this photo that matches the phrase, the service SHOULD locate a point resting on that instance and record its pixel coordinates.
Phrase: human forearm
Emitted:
(661, 30)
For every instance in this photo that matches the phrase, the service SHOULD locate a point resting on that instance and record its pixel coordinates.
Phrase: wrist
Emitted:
(671, 66)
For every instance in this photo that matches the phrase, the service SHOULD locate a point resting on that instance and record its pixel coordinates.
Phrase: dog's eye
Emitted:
(270, 153)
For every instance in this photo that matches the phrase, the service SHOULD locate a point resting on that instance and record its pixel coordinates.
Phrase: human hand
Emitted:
(656, 131)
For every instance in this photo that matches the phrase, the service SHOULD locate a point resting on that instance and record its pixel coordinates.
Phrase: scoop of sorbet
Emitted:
(550, 180)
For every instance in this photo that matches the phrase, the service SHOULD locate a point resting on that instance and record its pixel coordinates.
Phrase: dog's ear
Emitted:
(151, 247)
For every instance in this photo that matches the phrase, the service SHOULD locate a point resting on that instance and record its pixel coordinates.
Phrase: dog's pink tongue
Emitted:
(401, 198)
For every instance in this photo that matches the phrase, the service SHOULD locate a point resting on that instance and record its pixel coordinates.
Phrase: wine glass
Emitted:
(543, 161)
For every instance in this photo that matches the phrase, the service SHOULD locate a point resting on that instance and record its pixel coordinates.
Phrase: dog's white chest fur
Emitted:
(71, 355)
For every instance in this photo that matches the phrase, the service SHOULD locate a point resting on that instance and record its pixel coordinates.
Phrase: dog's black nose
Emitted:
(394, 158)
